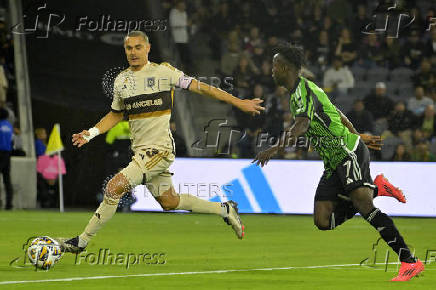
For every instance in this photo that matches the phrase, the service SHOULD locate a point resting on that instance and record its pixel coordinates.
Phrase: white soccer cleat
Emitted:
(232, 218)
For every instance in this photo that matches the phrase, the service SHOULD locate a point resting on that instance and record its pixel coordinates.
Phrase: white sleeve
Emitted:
(176, 77)
(117, 101)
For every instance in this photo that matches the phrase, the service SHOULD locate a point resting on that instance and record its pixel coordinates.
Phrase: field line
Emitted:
(175, 274)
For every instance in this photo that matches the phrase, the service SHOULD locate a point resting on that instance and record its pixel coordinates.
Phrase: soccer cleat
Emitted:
(70, 245)
(232, 218)
(409, 270)
(385, 188)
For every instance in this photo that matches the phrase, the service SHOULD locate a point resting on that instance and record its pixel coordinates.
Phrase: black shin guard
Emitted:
(385, 226)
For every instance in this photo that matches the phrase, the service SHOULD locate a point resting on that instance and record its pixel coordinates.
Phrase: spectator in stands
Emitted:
(270, 47)
(253, 40)
(346, 48)
(417, 137)
(6, 132)
(361, 119)
(253, 123)
(421, 152)
(413, 50)
(430, 46)
(229, 60)
(264, 78)
(178, 20)
(244, 73)
(400, 119)
(425, 76)
(40, 141)
(338, 79)
(360, 22)
(418, 103)
(391, 52)
(427, 123)
(258, 57)
(401, 153)
(223, 22)
(321, 51)
(273, 118)
(330, 27)
(379, 104)
(179, 141)
(371, 51)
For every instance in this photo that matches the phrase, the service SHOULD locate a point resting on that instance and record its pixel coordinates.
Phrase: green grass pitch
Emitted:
(203, 245)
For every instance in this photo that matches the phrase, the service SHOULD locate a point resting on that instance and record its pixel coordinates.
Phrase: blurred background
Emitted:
(375, 59)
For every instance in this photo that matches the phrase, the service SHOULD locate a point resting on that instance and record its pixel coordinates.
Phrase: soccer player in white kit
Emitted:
(145, 93)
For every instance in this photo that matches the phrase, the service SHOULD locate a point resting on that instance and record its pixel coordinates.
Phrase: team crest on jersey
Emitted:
(150, 82)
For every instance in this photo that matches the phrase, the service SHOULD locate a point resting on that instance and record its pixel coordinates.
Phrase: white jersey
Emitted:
(147, 98)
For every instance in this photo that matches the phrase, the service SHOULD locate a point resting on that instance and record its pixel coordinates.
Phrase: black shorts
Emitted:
(353, 172)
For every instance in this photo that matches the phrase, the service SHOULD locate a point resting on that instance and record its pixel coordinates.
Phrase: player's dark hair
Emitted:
(292, 54)
(137, 33)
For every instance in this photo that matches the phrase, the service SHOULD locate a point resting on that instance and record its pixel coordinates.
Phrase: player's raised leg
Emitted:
(114, 190)
(362, 199)
(163, 191)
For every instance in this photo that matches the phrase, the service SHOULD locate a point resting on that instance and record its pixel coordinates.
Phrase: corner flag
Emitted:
(55, 146)
(54, 142)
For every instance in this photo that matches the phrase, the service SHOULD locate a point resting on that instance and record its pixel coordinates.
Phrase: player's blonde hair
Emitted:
(137, 33)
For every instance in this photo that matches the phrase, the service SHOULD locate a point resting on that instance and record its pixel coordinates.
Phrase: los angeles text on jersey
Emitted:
(145, 103)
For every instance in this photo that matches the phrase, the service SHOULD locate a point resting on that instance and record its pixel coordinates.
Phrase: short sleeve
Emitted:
(176, 77)
(303, 101)
(117, 101)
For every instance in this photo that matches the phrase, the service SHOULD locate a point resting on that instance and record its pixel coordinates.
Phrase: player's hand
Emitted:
(78, 139)
(373, 142)
(264, 156)
(251, 107)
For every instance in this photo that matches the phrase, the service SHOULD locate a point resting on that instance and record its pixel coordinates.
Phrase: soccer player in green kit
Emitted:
(346, 187)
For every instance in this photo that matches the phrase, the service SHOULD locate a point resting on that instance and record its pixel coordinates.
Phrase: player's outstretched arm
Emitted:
(252, 107)
(105, 124)
(373, 142)
(299, 128)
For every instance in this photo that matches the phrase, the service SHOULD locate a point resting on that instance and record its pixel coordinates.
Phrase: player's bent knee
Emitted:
(169, 200)
(117, 186)
(322, 224)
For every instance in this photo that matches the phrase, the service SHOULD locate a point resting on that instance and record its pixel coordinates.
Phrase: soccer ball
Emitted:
(44, 252)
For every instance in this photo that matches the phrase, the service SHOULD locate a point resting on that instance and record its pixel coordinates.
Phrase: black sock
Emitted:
(385, 226)
(344, 211)
(375, 192)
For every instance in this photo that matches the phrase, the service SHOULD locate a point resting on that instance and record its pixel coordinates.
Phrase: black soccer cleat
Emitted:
(71, 245)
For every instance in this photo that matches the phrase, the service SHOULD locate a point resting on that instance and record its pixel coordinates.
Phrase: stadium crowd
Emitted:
(384, 83)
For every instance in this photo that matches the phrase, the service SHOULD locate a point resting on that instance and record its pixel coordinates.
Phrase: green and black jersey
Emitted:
(327, 135)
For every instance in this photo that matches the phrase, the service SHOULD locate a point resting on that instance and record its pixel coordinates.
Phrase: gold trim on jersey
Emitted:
(149, 114)
(172, 97)
(155, 160)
